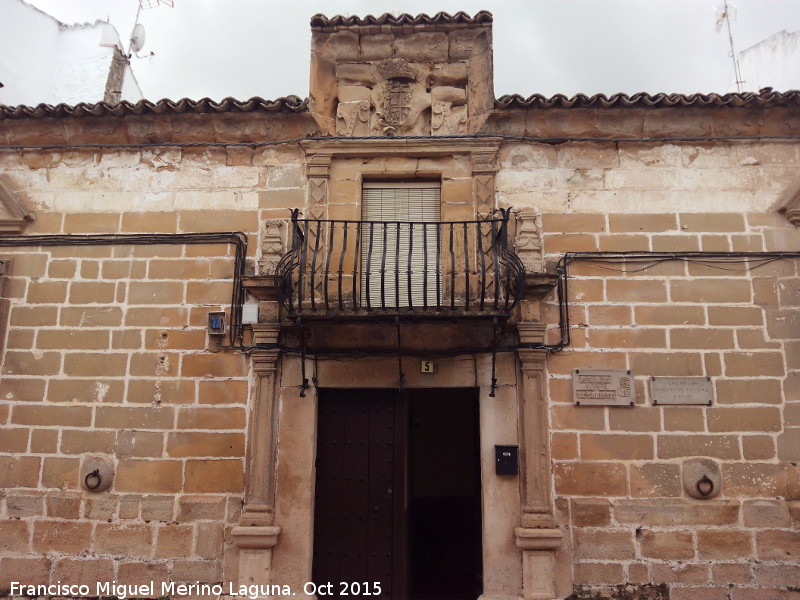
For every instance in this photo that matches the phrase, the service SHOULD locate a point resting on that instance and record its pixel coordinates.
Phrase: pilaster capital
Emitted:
(483, 162)
(531, 333)
(538, 539)
(266, 333)
(264, 360)
(532, 359)
(318, 165)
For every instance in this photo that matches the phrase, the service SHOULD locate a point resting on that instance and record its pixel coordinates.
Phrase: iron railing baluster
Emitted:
(466, 268)
(369, 267)
(355, 262)
(496, 265)
(331, 231)
(341, 264)
(438, 265)
(425, 265)
(482, 254)
(383, 267)
(313, 293)
(302, 271)
(408, 274)
(452, 270)
(397, 266)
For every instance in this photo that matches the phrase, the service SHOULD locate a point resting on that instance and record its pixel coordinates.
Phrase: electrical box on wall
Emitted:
(506, 460)
(216, 323)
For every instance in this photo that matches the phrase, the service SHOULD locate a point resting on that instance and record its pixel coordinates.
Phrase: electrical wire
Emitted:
(297, 140)
(237, 238)
(747, 260)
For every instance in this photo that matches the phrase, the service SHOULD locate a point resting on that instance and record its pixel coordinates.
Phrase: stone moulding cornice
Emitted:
(531, 333)
(538, 539)
(255, 538)
(388, 146)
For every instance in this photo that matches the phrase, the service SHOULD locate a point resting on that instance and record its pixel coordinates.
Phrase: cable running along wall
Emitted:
(237, 239)
(636, 262)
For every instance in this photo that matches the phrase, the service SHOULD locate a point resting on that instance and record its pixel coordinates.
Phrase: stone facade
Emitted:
(212, 451)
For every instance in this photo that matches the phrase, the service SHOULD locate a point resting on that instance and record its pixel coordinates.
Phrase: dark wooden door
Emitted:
(359, 535)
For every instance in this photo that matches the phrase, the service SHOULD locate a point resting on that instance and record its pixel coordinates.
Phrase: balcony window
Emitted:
(402, 240)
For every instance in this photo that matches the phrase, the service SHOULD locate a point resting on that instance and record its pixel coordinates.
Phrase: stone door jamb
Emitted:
(537, 537)
(256, 533)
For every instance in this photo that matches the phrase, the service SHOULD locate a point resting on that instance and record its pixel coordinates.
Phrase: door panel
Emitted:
(398, 493)
(354, 512)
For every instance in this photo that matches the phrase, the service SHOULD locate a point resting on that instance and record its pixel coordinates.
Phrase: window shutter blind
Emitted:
(394, 214)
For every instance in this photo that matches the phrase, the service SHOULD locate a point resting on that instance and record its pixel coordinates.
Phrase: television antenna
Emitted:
(724, 15)
(138, 36)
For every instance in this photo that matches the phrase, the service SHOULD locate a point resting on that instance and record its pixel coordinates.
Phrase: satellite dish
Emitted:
(137, 38)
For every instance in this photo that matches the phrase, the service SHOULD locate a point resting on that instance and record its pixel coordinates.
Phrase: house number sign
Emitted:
(595, 387)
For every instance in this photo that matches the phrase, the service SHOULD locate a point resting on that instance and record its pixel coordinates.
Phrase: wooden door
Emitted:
(359, 535)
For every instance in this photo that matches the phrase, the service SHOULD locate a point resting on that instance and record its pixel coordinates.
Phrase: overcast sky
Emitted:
(244, 48)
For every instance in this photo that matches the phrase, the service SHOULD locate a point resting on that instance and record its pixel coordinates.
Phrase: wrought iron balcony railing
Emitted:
(394, 268)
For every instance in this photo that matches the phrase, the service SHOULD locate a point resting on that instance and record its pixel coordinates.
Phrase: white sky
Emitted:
(244, 48)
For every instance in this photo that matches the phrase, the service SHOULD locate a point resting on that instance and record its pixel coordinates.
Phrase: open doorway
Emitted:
(397, 497)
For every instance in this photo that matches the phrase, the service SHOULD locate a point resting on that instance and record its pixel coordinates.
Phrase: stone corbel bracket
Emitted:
(789, 204)
(528, 241)
(273, 245)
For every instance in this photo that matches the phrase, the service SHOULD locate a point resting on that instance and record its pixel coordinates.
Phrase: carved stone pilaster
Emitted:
(528, 243)
(318, 169)
(484, 168)
(272, 246)
(256, 533)
(538, 539)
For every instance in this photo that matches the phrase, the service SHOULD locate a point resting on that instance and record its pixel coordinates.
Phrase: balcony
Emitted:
(378, 269)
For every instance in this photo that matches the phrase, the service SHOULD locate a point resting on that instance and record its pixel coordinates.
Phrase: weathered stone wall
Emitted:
(106, 352)
(618, 470)
(635, 178)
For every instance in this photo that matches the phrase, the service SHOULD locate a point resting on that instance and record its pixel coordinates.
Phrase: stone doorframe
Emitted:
(537, 537)
(256, 534)
(467, 168)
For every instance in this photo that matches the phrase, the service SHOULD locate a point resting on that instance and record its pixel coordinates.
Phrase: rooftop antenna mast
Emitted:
(724, 14)
(137, 39)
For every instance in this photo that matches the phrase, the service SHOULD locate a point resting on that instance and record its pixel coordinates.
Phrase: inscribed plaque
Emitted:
(682, 390)
(596, 387)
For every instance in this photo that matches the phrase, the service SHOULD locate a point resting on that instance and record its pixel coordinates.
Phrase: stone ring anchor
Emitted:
(705, 486)
(94, 480)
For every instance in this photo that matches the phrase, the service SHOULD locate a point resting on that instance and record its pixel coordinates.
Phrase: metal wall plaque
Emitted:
(596, 387)
(682, 390)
